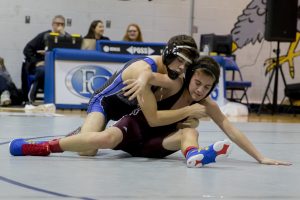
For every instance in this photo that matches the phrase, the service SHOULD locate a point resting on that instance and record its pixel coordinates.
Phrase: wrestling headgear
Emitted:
(209, 66)
(183, 46)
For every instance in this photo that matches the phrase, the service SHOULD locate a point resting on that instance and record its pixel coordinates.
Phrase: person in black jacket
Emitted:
(34, 53)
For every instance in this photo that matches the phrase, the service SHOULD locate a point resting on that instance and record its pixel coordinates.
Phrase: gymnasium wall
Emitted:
(159, 20)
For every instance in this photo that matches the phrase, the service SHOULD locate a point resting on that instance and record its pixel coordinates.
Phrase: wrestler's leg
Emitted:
(187, 140)
(162, 144)
(181, 140)
(197, 157)
(94, 122)
(107, 139)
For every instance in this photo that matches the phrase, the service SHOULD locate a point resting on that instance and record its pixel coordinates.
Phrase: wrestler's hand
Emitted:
(268, 161)
(188, 123)
(133, 88)
(197, 111)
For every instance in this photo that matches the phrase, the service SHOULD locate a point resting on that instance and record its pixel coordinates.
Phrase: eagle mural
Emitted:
(250, 28)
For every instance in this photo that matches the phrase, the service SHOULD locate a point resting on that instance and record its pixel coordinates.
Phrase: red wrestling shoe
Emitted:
(21, 147)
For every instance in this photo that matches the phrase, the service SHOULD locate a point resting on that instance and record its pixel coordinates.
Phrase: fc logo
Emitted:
(85, 79)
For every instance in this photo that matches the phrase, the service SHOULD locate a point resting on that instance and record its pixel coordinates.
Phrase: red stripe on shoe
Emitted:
(188, 149)
(223, 150)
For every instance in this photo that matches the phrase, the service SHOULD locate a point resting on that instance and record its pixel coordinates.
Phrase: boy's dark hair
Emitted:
(208, 65)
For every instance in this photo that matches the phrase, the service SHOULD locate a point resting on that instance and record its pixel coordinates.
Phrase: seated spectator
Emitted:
(96, 31)
(133, 33)
(8, 91)
(34, 52)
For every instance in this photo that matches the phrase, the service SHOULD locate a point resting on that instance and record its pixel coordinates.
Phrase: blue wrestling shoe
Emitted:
(200, 157)
(22, 147)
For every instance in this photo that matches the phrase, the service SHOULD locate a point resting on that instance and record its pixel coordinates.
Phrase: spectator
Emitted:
(96, 31)
(8, 90)
(34, 52)
(133, 33)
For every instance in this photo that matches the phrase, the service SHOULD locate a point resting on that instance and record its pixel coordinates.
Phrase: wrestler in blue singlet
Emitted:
(110, 101)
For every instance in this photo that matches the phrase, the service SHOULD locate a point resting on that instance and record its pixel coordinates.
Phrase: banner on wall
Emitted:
(76, 81)
(130, 48)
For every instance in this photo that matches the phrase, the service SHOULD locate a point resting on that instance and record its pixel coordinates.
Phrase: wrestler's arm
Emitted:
(134, 86)
(161, 80)
(236, 135)
(148, 103)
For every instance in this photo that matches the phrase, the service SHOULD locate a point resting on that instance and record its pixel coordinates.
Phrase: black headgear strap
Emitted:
(170, 53)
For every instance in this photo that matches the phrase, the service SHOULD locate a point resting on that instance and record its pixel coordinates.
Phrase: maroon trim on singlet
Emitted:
(138, 142)
(132, 137)
(153, 147)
